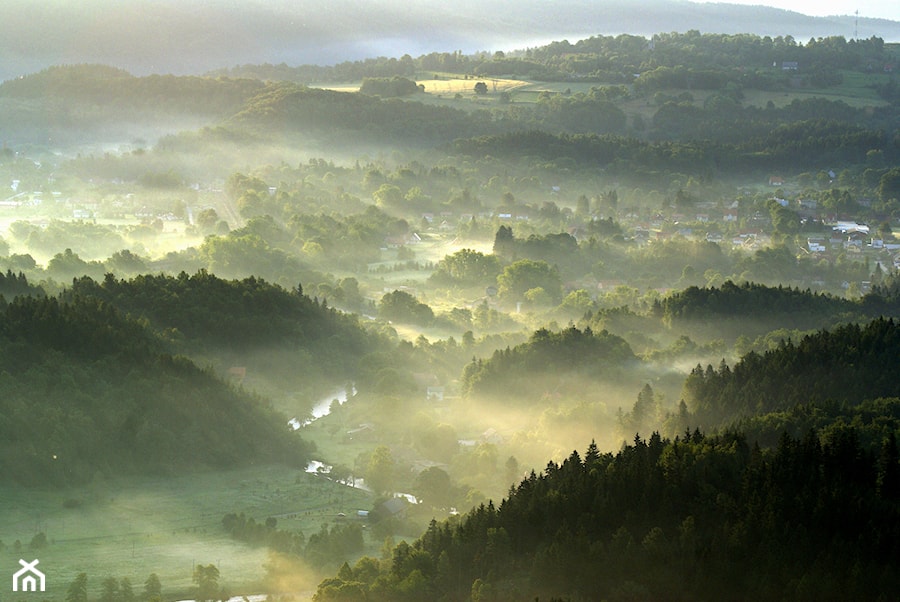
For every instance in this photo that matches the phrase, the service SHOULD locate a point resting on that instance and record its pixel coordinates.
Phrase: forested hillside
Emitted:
(849, 364)
(549, 364)
(114, 88)
(796, 145)
(91, 374)
(284, 343)
(749, 300)
(86, 391)
(203, 311)
(291, 109)
(694, 518)
(709, 60)
(76, 103)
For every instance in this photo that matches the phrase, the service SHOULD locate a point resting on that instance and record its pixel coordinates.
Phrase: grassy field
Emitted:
(855, 97)
(458, 90)
(529, 91)
(345, 87)
(450, 86)
(442, 89)
(856, 85)
(135, 527)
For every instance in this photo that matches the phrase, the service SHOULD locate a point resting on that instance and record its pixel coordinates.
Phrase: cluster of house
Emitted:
(854, 238)
(442, 219)
(26, 198)
(147, 213)
(81, 209)
(702, 225)
(401, 240)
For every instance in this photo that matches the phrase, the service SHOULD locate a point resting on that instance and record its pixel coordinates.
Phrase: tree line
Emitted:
(848, 364)
(326, 548)
(733, 58)
(121, 91)
(547, 362)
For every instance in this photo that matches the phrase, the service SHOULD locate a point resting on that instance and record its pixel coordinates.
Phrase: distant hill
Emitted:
(113, 87)
(167, 36)
(84, 102)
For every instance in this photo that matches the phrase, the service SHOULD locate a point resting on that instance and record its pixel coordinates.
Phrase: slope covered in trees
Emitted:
(748, 306)
(798, 499)
(87, 391)
(290, 109)
(850, 364)
(208, 311)
(795, 146)
(115, 89)
(286, 341)
(873, 420)
(548, 363)
(672, 59)
(79, 103)
(695, 518)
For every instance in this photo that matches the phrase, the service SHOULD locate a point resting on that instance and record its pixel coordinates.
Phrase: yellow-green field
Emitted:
(449, 85)
(456, 85)
(856, 90)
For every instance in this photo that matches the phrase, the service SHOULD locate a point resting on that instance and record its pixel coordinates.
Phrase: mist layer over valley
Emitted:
(312, 329)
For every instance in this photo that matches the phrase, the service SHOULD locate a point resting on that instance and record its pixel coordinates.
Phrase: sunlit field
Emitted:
(458, 85)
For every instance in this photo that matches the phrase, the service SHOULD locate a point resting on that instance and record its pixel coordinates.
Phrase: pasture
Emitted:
(134, 527)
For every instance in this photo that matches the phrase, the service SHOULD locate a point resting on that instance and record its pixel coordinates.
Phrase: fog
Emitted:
(497, 275)
(190, 38)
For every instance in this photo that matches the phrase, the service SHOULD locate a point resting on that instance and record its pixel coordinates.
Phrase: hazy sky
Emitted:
(881, 9)
(196, 36)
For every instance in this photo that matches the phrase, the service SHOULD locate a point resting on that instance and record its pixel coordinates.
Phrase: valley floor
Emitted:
(130, 528)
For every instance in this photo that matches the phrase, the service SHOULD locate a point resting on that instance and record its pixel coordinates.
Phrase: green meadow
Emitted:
(134, 527)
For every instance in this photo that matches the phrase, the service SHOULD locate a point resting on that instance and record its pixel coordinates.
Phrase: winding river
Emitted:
(320, 408)
(323, 408)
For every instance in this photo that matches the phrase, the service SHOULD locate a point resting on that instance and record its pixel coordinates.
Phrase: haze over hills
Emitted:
(184, 38)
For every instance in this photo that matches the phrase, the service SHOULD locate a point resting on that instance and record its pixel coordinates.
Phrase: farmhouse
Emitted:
(816, 245)
(393, 507)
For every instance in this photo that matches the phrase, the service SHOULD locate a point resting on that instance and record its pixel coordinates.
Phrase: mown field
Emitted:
(857, 89)
(134, 527)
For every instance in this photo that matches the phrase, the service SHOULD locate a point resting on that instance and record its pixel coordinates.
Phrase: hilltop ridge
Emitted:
(191, 38)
